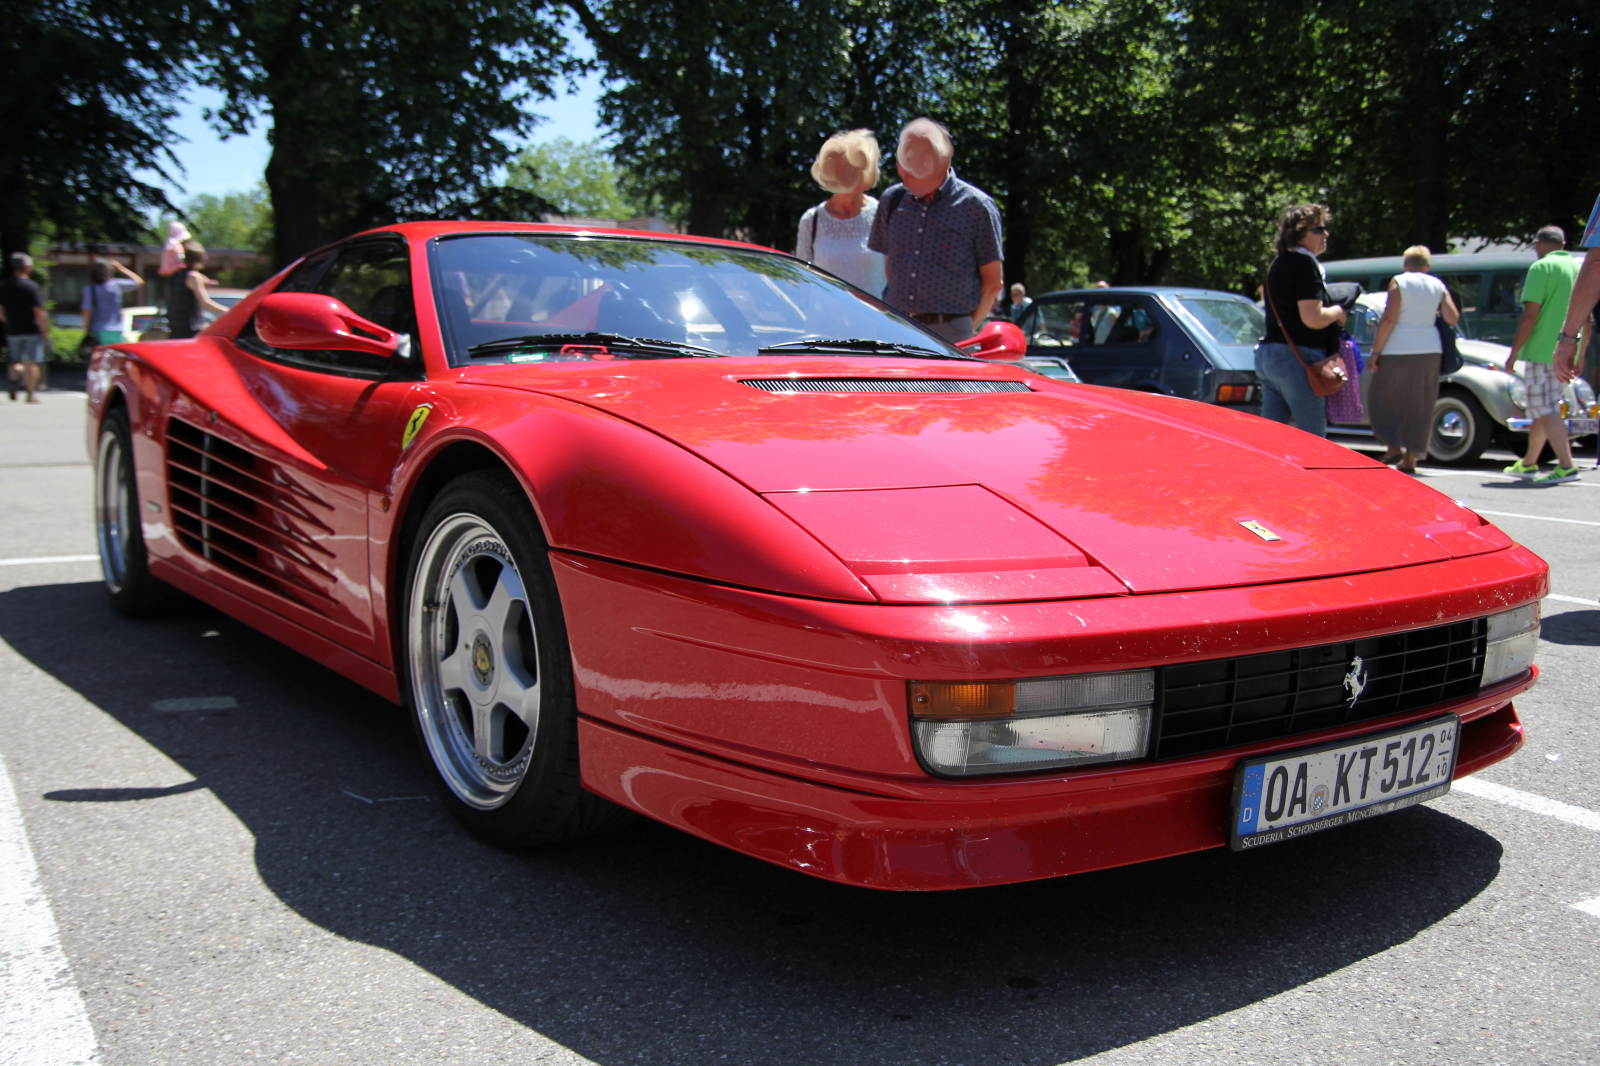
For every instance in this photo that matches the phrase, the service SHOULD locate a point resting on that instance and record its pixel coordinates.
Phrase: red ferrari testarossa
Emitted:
(689, 528)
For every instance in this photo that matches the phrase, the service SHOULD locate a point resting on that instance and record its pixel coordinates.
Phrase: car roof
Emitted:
(1446, 264)
(429, 230)
(1147, 290)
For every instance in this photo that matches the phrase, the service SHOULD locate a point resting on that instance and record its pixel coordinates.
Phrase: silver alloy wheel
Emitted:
(474, 661)
(113, 509)
(1454, 426)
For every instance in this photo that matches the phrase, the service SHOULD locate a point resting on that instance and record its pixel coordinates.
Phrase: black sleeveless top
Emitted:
(183, 310)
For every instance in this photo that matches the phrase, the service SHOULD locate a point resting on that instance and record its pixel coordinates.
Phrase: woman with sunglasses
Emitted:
(1309, 329)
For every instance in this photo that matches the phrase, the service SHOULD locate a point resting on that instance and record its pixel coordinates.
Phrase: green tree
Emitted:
(84, 110)
(383, 112)
(233, 220)
(577, 178)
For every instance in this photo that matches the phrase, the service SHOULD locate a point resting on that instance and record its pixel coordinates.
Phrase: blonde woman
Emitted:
(833, 235)
(1405, 361)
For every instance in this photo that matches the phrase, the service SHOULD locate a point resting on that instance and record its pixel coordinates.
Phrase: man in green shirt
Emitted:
(1545, 292)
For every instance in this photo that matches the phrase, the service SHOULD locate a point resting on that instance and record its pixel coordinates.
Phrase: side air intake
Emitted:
(247, 515)
(781, 385)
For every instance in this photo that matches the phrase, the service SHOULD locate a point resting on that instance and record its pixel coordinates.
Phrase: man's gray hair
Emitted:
(931, 133)
(1552, 235)
(21, 261)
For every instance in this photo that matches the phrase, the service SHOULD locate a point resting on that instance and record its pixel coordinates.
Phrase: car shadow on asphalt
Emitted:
(651, 946)
(1572, 627)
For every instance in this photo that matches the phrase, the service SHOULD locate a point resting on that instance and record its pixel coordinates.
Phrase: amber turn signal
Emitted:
(1235, 393)
(963, 699)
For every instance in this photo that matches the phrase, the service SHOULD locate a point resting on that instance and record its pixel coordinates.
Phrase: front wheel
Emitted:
(1461, 428)
(489, 673)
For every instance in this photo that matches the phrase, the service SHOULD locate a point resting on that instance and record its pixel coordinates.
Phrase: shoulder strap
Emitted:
(892, 201)
(1282, 326)
(815, 211)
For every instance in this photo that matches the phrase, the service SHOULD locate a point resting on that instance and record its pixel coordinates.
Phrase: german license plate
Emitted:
(1286, 795)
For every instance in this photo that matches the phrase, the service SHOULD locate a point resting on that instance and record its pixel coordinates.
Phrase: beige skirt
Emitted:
(1400, 400)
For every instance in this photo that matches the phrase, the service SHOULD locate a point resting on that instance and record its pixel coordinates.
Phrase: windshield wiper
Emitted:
(858, 346)
(648, 347)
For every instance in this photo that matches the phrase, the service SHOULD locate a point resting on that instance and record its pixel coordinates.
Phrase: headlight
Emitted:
(1519, 393)
(1585, 393)
(997, 727)
(1513, 638)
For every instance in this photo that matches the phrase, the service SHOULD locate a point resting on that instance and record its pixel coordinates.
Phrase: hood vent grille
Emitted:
(782, 385)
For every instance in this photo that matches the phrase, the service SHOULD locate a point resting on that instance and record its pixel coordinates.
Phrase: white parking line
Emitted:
(1573, 599)
(42, 1018)
(1528, 801)
(43, 559)
(1535, 517)
(1589, 906)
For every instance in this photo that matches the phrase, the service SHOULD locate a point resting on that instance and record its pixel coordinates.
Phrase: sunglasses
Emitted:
(1319, 230)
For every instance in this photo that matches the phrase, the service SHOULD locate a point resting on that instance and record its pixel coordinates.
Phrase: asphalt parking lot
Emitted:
(237, 861)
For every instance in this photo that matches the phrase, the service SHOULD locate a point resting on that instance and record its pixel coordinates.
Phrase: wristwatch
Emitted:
(1565, 336)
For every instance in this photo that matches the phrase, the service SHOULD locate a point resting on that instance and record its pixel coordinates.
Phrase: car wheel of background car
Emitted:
(489, 673)
(123, 560)
(1461, 428)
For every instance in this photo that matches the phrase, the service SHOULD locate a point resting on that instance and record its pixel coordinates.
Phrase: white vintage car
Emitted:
(1477, 402)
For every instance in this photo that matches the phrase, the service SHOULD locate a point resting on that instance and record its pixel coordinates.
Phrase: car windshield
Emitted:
(1227, 321)
(706, 300)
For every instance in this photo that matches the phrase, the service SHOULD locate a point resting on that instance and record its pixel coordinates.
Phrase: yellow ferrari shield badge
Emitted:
(1261, 531)
(414, 425)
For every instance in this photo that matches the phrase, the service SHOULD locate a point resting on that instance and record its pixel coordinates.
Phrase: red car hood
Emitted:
(1157, 491)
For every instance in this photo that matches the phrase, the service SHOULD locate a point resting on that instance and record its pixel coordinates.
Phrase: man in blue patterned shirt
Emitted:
(940, 237)
(1585, 294)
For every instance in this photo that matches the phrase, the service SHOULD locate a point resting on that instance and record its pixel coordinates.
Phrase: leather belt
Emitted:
(932, 318)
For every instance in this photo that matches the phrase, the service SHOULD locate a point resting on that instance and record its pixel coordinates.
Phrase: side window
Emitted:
(1505, 294)
(1055, 325)
(1465, 290)
(1124, 322)
(373, 279)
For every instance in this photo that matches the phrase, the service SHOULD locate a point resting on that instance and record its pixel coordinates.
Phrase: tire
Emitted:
(488, 674)
(1461, 428)
(123, 560)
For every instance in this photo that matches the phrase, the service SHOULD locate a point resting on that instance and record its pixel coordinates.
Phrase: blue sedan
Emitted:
(1194, 343)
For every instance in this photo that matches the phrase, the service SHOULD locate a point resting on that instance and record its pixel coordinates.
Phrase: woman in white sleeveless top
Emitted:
(1405, 361)
(833, 235)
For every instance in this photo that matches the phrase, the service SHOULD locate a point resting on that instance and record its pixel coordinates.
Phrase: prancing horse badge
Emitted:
(1260, 530)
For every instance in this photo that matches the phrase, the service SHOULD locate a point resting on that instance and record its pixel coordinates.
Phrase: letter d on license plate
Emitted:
(1289, 794)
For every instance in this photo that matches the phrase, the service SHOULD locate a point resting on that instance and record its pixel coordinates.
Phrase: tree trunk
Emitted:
(296, 198)
(1430, 191)
(1021, 96)
(1132, 263)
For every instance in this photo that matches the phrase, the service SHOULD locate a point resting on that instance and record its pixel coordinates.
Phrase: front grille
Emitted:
(881, 385)
(1223, 703)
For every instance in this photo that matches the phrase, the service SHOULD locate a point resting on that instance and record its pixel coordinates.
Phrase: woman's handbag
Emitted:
(1327, 376)
(1344, 406)
(1449, 355)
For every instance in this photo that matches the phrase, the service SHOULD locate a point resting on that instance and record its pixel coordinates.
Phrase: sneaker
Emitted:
(1558, 475)
(1516, 469)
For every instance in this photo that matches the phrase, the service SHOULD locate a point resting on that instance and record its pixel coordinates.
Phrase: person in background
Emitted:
(833, 235)
(940, 238)
(1102, 284)
(27, 325)
(1546, 294)
(172, 250)
(1019, 300)
(1296, 290)
(1405, 361)
(102, 300)
(189, 301)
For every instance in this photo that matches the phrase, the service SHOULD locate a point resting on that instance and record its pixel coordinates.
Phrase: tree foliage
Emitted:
(85, 107)
(577, 178)
(382, 112)
(234, 220)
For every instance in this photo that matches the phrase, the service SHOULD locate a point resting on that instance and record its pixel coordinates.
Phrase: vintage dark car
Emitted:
(1195, 343)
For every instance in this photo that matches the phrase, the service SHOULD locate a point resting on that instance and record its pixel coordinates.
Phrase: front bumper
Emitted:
(779, 727)
(955, 837)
